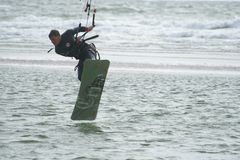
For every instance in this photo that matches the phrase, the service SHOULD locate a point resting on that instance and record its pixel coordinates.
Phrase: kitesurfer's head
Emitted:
(55, 37)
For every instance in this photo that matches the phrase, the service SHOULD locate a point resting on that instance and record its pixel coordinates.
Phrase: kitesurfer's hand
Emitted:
(88, 29)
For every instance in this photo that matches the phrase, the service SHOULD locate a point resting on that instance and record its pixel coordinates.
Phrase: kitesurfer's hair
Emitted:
(53, 33)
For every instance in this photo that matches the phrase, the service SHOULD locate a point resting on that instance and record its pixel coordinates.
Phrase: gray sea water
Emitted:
(172, 91)
(142, 116)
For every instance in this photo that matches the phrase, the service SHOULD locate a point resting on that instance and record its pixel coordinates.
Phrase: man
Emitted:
(67, 45)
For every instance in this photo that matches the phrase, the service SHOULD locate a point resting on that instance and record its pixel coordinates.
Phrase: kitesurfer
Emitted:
(70, 46)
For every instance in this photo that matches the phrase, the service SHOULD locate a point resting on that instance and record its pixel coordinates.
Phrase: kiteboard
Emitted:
(92, 83)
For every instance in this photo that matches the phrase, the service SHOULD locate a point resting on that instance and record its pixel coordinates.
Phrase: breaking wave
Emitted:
(215, 25)
(123, 65)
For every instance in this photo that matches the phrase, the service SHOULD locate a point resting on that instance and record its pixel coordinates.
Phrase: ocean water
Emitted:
(172, 90)
(142, 116)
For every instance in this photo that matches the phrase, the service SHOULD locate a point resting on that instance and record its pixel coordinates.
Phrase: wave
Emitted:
(122, 65)
(235, 23)
(152, 24)
(120, 9)
(202, 30)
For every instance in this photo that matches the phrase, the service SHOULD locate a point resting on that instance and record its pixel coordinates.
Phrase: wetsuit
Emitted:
(69, 48)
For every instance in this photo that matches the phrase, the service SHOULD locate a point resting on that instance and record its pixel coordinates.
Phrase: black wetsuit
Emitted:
(69, 48)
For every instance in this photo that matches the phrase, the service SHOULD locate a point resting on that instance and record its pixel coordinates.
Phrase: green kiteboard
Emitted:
(92, 83)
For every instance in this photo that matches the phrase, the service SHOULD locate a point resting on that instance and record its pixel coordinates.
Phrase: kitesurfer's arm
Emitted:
(82, 29)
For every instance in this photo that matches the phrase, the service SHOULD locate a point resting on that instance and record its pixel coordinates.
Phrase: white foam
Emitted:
(160, 34)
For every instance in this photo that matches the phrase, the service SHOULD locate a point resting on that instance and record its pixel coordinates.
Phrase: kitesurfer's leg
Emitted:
(89, 52)
(80, 69)
(92, 51)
